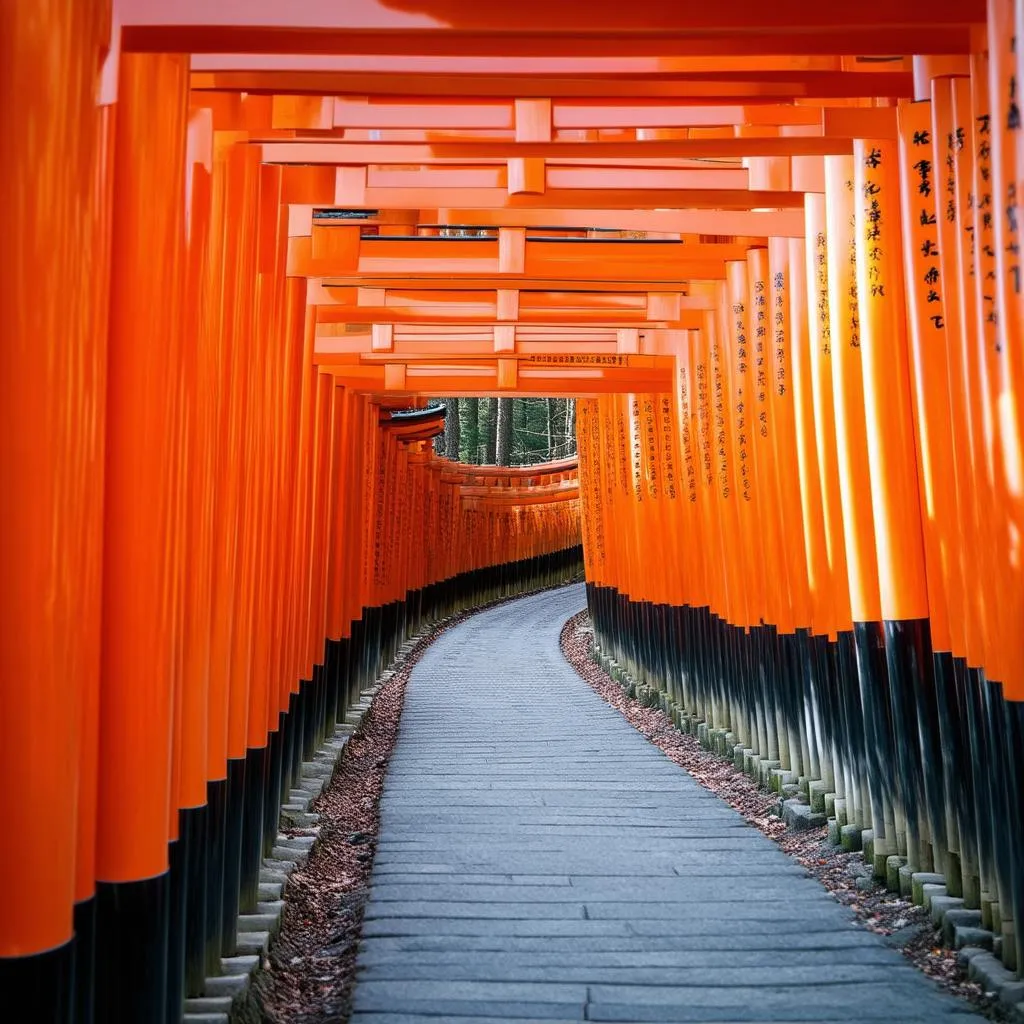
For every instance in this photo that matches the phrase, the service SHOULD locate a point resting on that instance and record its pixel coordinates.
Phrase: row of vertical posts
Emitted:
(837, 480)
(209, 546)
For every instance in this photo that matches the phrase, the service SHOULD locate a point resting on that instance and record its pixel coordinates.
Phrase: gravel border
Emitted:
(844, 875)
(308, 975)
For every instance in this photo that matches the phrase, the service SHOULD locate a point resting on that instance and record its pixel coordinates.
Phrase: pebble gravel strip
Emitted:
(308, 973)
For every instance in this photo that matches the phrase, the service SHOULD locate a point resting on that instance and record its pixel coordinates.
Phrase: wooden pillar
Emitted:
(143, 474)
(54, 148)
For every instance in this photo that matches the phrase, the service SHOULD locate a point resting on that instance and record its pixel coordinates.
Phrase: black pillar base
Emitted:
(42, 986)
(217, 806)
(132, 951)
(232, 877)
(85, 961)
(178, 856)
(272, 794)
(195, 837)
(257, 776)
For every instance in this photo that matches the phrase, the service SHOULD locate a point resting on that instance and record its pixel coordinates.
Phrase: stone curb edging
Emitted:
(256, 931)
(803, 804)
(226, 993)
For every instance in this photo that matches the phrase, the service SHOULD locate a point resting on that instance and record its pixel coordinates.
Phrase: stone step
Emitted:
(965, 936)
(940, 905)
(241, 964)
(208, 1004)
(229, 985)
(299, 819)
(279, 867)
(252, 942)
(296, 842)
(257, 923)
(986, 969)
(799, 816)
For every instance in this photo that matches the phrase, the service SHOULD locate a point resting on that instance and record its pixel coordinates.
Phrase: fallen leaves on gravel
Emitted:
(876, 909)
(310, 971)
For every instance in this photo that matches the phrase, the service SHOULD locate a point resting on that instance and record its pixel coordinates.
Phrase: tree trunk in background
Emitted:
(570, 426)
(489, 430)
(470, 430)
(503, 445)
(508, 431)
(516, 453)
(451, 429)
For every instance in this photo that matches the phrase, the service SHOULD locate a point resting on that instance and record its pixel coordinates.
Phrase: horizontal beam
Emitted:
(428, 341)
(459, 472)
(382, 115)
(583, 177)
(612, 199)
(483, 301)
(442, 381)
(399, 317)
(444, 282)
(617, 277)
(728, 212)
(745, 223)
(515, 65)
(854, 40)
(538, 366)
(566, 253)
(491, 497)
(334, 252)
(727, 88)
(430, 17)
(665, 151)
(457, 27)
(327, 297)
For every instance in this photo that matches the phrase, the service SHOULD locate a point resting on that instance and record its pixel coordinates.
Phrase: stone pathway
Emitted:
(539, 861)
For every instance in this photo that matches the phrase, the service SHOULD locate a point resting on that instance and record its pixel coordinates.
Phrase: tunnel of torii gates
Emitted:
(773, 251)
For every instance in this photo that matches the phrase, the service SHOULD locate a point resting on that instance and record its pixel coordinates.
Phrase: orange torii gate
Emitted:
(773, 252)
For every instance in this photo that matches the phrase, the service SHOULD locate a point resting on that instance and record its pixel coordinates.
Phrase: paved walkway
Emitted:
(540, 861)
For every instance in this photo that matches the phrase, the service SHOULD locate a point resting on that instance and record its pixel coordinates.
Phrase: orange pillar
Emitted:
(198, 494)
(1005, 702)
(855, 490)
(894, 493)
(139, 573)
(53, 171)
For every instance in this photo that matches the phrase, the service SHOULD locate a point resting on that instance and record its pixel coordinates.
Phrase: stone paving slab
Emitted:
(472, 969)
(430, 1018)
(468, 849)
(648, 934)
(722, 945)
(377, 952)
(539, 861)
(714, 866)
(760, 887)
(683, 857)
(837, 1017)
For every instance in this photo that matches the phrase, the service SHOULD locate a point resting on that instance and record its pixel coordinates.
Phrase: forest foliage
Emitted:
(508, 431)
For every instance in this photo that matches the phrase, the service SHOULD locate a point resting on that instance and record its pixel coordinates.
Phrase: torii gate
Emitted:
(250, 239)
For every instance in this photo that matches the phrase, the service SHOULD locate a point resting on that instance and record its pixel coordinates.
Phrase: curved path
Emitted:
(540, 861)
